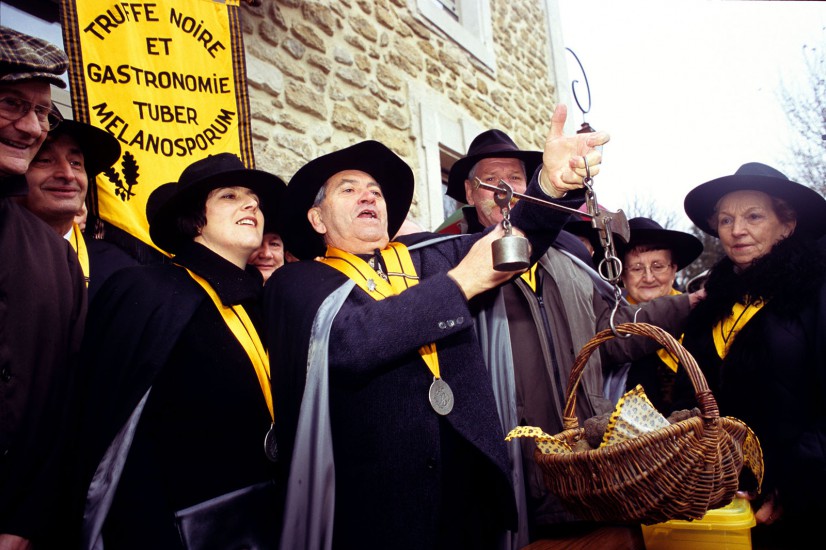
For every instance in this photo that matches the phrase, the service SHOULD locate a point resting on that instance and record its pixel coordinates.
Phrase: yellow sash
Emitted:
(401, 276)
(79, 246)
(726, 330)
(530, 277)
(664, 355)
(241, 326)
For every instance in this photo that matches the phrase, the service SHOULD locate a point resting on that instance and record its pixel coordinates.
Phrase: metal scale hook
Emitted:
(607, 225)
(610, 267)
(510, 253)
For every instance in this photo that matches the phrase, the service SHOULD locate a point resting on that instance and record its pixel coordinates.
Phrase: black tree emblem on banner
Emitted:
(129, 168)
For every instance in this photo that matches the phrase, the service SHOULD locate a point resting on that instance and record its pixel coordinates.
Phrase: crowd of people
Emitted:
(305, 366)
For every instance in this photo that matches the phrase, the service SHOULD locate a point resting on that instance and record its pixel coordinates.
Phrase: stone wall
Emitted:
(325, 74)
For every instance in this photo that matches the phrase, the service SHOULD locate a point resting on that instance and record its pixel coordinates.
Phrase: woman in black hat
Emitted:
(178, 404)
(650, 262)
(760, 334)
(652, 258)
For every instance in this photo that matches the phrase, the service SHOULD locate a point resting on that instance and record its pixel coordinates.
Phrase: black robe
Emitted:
(774, 375)
(202, 429)
(42, 313)
(405, 477)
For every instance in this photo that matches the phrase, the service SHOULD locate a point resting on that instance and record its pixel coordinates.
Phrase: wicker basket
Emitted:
(676, 472)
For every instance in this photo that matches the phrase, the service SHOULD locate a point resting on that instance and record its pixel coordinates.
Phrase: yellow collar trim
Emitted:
(78, 244)
(401, 275)
(244, 331)
(530, 277)
(726, 330)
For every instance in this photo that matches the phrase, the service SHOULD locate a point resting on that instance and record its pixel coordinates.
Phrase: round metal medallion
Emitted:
(441, 397)
(270, 445)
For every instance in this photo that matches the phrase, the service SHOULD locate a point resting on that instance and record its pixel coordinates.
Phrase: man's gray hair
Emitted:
(319, 197)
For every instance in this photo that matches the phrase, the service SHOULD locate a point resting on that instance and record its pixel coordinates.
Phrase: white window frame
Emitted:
(473, 31)
(441, 124)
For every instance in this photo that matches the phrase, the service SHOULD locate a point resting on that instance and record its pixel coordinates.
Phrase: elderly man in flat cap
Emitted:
(42, 306)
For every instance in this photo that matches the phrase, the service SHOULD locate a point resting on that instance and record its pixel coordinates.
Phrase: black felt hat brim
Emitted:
(167, 202)
(462, 167)
(808, 204)
(100, 148)
(388, 169)
(684, 247)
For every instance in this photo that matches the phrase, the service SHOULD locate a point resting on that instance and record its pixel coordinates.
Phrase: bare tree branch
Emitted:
(805, 104)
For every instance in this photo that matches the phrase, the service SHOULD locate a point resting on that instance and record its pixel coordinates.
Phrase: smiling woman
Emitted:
(234, 224)
(652, 257)
(187, 331)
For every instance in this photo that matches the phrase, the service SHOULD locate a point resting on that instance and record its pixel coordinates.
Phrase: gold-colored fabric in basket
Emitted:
(633, 416)
(679, 471)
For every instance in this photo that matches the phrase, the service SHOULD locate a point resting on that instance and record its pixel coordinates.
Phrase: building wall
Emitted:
(327, 74)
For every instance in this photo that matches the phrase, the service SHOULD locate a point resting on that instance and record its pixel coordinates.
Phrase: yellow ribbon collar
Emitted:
(401, 275)
(79, 245)
(726, 330)
(244, 331)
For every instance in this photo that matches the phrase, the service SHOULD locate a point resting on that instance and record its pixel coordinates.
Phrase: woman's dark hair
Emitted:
(193, 219)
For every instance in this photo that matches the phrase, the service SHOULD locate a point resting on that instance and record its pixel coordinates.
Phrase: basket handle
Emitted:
(705, 400)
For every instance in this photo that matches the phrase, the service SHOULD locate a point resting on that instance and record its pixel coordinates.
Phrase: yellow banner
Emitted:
(167, 79)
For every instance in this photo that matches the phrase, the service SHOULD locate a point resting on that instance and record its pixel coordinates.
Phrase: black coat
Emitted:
(42, 312)
(774, 375)
(201, 433)
(405, 476)
(105, 258)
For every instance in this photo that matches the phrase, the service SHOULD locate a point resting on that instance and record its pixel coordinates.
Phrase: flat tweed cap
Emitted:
(24, 57)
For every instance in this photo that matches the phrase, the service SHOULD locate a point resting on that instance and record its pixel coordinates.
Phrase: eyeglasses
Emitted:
(14, 108)
(637, 270)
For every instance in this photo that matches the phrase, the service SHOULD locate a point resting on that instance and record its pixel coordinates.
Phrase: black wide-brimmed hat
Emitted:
(807, 203)
(24, 57)
(684, 247)
(170, 200)
(488, 144)
(100, 148)
(388, 169)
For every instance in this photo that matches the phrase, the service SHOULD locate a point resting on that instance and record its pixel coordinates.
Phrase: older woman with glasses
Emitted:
(759, 337)
(651, 260)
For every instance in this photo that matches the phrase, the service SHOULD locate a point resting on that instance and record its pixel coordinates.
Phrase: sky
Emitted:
(687, 89)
